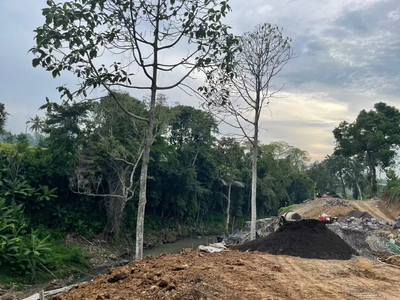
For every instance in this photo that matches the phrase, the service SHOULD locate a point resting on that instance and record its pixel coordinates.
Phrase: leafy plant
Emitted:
(393, 186)
(23, 251)
(286, 208)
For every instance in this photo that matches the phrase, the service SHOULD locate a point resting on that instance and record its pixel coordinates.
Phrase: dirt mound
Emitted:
(305, 238)
(239, 275)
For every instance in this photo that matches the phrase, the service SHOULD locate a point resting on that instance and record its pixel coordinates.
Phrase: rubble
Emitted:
(363, 223)
(237, 237)
(363, 234)
(330, 201)
(396, 223)
(212, 248)
(263, 226)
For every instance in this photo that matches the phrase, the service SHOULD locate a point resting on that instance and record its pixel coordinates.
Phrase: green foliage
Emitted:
(194, 22)
(23, 251)
(282, 177)
(286, 208)
(66, 260)
(393, 187)
(373, 139)
(3, 117)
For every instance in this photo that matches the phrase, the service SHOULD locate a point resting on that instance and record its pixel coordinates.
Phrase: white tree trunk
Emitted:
(254, 192)
(147, 145)
(359, 191)
(229, 207)
(142, 192)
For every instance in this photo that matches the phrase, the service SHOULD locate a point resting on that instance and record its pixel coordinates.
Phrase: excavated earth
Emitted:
(306, 238)
(242, 275)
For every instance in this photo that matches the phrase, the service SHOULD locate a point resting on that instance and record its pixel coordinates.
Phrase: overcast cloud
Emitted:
(348, 59)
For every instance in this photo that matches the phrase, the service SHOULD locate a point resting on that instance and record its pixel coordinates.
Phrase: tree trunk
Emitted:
(343, 186)
(359, 191)
(143, 187)
(254, 166)
(229, 207)
(147, 145)
(254, 186)
(373, 182)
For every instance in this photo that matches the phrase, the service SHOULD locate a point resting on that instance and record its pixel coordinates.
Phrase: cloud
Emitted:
(348, 59)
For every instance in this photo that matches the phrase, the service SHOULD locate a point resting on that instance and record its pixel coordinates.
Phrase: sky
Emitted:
(347, 59)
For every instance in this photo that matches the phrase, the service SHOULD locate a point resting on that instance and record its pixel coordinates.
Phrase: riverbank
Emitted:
(101, 255)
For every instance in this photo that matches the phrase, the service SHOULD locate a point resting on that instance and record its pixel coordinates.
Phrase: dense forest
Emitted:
(82, 175)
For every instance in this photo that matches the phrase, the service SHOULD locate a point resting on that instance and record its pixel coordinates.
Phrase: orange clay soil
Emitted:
(242, 275)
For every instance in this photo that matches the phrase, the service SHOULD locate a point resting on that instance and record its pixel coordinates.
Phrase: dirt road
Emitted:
(374, 208)
(238, 275)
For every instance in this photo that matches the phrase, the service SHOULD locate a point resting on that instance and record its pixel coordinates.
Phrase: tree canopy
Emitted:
(372, 138)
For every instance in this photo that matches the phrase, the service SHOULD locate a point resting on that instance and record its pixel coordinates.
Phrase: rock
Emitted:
(397, 223)
(180, 268)
(112, 257)
(264, 227)
(171, 286)
(162, 283)
(329, 201)
(210, 249)
(117, 277)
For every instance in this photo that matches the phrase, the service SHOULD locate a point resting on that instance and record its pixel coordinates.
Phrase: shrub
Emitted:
(22, 251)
(286, 208)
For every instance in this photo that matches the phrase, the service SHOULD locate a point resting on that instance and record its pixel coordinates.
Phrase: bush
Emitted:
(66, 260)
(286, 208)
(22, 251)
(393, 187)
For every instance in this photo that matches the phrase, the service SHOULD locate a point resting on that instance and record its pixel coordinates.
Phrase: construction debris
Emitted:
(396, 223)
(237, 237)
(212, 248)
(366, 222)
(330, 201)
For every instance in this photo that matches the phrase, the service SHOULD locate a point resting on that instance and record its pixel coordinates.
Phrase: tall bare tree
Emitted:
(78, 33)
(264, 52)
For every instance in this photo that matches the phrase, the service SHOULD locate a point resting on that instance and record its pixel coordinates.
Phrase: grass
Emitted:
(8, 280)
(7, 147)
(286, 208)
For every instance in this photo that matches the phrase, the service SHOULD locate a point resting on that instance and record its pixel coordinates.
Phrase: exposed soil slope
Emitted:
(242, 275)
(316, 208)
(375, 208)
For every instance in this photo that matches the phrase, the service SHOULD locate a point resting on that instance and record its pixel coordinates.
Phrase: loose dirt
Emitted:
(375, 208)
(242, 275)
(305, 238)
(316, 208)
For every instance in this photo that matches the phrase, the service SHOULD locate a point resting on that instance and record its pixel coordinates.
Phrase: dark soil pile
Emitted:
(305, 238)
